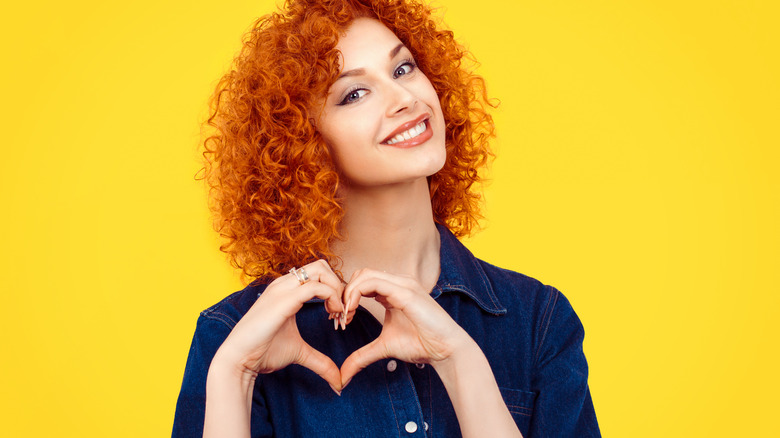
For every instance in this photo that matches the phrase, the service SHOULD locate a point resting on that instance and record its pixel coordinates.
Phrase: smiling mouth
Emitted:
(409, 134)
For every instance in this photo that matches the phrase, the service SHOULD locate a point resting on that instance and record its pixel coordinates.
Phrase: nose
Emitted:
(400, 99)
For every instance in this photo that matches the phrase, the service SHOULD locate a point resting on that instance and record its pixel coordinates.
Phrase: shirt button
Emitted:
(411, 427)
(391, 366)
(420, 365)
(425, 426)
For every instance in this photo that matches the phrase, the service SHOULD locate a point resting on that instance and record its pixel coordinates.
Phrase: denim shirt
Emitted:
(528, 331)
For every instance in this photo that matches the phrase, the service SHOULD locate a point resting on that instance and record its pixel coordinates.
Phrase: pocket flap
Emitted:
(518, 401)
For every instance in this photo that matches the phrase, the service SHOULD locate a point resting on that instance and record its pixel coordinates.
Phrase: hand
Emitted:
(416, 329)
(267, 339)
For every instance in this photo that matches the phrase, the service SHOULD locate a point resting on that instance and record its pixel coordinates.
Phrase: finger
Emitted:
(401, 282)
(350, 316)
(362, 358)
(322, 365)
(318, 271)
(322, 272)
(312, 289)
(283, 302)
(334, 306)
(399, 279)
(389, 294)
(353, 303)
(290, 285)
(281, 285)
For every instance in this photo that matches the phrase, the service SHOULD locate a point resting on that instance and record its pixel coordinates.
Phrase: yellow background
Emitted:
(637, 172)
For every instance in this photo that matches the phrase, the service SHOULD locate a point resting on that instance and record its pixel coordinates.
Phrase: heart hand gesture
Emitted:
(267, 339)
(416, 329)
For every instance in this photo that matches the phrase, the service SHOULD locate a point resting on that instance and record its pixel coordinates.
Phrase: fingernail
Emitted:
(338, 393)
(335, 324)
(346, 383)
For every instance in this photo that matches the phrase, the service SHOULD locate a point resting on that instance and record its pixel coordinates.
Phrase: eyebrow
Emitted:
(362, 71)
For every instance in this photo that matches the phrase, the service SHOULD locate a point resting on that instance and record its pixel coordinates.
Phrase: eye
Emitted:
(404, 69)
(353, 96)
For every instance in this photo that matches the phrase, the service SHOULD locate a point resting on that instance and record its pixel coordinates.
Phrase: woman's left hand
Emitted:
(416, 329)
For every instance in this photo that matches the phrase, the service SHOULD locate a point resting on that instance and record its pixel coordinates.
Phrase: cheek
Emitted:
(337, 149)
(429, 92)
(344, 142)
(357, 125)
(335, 133)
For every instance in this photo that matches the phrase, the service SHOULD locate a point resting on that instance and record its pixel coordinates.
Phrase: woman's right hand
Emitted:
(267, 339)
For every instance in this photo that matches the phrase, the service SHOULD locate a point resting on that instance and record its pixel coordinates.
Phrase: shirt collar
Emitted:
(461, 272)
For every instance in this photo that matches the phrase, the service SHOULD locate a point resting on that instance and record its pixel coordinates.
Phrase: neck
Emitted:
(390, 229)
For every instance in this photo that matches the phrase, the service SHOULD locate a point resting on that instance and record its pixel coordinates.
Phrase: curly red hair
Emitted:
(273, 183)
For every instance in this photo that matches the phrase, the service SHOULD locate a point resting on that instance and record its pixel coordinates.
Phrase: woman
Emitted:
(348, 139)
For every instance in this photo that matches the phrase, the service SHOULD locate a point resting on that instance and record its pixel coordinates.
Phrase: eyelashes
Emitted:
(353, 95)
(407, 64)
(356, 92)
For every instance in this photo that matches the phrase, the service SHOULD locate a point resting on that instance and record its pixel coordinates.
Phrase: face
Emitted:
(382, 118)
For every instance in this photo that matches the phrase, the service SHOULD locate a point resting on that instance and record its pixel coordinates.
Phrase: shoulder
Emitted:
(213, 327)
(514, 289)
(496, 290)
(232, 308)
(508, 282)
(529, 298)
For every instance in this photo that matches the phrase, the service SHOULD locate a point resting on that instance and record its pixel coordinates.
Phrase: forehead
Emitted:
(363, 38)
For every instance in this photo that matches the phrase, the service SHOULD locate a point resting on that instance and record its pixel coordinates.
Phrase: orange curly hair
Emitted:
(273, 183)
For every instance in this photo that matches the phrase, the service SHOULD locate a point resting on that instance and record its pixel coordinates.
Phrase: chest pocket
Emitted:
(521, 406)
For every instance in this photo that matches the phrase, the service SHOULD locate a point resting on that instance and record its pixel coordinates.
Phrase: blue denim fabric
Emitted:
(528, 331)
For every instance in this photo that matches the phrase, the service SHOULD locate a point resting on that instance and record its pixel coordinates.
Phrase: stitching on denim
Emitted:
(410, 382)
(475, 298)
(219, 316)
(430, 401)
(481, 274)
(546, 319)
(392, 404)
(525, 414)
(488, 289)
(541, 337)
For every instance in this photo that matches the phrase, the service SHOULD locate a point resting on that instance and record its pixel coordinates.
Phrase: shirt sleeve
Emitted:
(191, 405)
(563, 406)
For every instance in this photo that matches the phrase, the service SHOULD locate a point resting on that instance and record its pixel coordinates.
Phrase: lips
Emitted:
(411, 133)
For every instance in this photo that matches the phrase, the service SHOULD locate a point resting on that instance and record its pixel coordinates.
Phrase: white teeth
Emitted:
(411, 133)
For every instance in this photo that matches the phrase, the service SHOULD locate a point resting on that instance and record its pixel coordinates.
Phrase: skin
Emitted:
(379, 90)
(386, 201)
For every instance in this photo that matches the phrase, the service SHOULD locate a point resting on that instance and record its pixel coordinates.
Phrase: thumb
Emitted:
(322, 365)
(360, 359)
